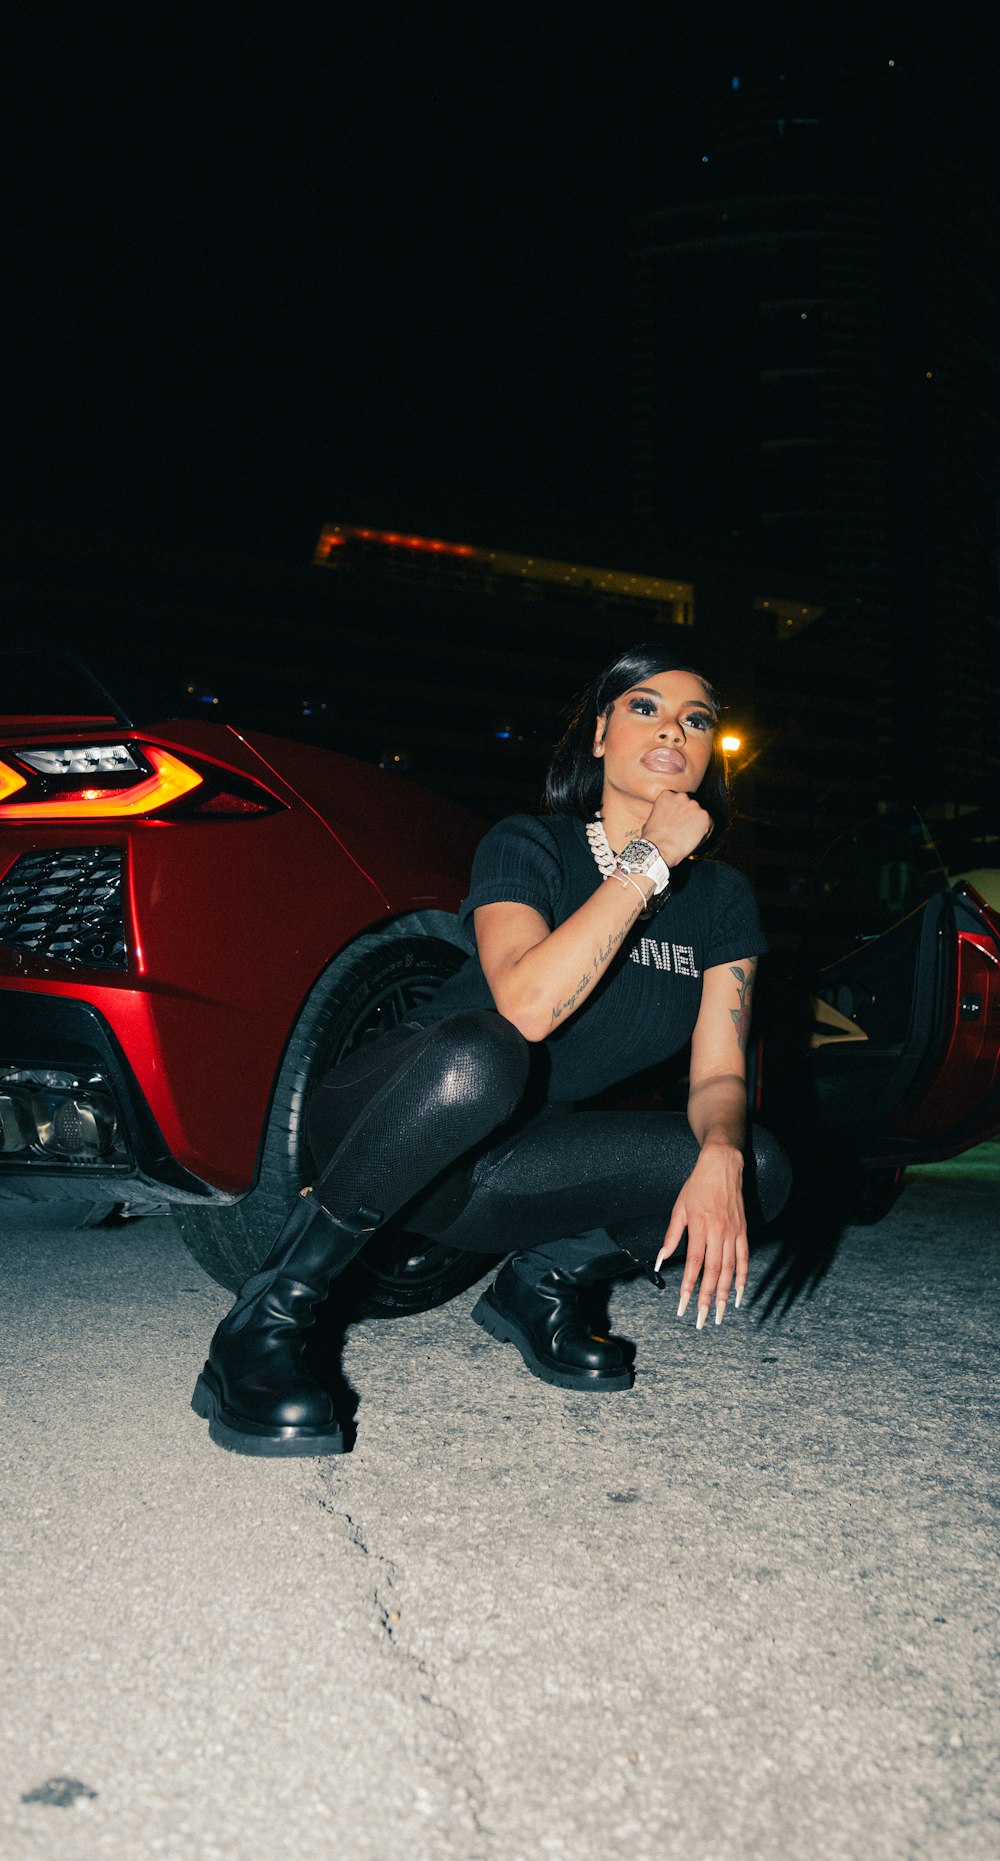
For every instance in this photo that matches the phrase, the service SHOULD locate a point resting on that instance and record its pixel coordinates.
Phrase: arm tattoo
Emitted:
(741, 1015)
(605, 951)
(569, 1004)
(612, 944)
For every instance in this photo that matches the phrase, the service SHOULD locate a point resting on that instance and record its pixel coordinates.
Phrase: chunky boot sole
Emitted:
(243, 1436)
(506, 1330)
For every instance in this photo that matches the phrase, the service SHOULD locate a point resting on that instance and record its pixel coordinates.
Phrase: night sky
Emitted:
(275, 262)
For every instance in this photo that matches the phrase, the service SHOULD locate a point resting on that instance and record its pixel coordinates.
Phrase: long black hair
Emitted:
(574, 781)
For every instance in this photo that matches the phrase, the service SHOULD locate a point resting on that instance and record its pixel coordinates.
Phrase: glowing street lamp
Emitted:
(731, 745)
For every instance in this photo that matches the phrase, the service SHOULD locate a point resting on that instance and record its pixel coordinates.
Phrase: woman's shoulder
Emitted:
(716, 890)
(725, 912)
(551, 832)
(717, 880)
(524, 859)
(560, 825)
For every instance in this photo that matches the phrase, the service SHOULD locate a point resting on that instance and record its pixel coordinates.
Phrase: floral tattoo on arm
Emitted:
(744, 989)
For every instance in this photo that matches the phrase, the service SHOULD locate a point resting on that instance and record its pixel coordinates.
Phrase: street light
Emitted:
(731, 745)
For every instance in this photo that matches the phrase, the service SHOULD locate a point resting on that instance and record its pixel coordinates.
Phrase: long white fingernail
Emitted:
(701, 1321)
(720, 1314)
(739, 1297)
(683, 1306)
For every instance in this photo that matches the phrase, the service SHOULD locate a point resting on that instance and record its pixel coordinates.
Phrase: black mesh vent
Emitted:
(66, 905)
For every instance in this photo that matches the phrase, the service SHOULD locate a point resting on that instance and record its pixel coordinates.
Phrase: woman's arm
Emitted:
(710, 1205)
(537, 976)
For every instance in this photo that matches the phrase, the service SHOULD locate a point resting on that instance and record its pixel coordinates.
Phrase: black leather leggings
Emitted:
(430, 1128)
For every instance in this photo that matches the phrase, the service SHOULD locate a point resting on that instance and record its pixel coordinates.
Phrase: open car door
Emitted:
(892, 1048)
(906, 1043)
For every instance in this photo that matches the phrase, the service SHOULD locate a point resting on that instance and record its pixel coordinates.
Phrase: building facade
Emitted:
(815, 396)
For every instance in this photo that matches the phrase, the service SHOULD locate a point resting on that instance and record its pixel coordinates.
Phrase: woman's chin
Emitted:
(642, 794)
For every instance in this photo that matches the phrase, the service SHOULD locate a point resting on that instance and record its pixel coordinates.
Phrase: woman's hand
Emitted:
(676, 825)
(710, 1207)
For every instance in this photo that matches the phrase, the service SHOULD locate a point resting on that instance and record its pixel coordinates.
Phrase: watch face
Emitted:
(638, 852)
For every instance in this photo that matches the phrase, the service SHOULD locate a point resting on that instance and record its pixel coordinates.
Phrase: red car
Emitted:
(196, 923)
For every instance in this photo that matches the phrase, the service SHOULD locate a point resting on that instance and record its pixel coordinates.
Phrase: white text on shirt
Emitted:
(678, 957)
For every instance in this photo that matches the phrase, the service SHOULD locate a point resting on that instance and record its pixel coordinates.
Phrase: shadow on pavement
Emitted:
(825, 1199)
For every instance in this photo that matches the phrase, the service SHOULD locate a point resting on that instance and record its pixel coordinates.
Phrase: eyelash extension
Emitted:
(647, 707)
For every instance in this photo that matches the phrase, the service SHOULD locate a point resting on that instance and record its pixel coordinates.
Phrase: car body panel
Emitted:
(229, 922)
(410, 843)
(966, 1093)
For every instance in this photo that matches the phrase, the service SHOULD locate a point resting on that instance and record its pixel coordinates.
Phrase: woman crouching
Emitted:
(603, 941)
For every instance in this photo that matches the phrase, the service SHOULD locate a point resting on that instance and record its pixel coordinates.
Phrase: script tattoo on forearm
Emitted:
(744, 989)
(569, 1004)
(603, 954)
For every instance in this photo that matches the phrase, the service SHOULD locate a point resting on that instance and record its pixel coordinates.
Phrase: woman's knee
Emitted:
(486, 1060)
(458, 1079)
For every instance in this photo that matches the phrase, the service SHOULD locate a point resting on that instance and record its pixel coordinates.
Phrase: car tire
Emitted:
(371, 986)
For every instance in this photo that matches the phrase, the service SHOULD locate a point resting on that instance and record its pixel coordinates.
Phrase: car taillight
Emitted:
(118, 781)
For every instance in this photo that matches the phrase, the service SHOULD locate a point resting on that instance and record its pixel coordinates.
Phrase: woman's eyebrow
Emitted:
(689, 704)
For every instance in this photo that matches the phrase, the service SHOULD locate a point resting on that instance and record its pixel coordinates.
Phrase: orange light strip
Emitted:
(172, 779)
(391, 539)
(10, 782)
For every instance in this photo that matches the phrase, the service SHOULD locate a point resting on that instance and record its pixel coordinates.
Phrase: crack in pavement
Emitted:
(388, 1617)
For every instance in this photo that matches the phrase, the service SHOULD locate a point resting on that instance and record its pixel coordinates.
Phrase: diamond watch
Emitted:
(641, 859)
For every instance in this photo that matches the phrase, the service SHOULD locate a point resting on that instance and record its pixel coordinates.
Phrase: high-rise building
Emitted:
(816, 399)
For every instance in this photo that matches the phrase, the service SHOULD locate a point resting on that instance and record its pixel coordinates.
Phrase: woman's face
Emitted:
(659, 735)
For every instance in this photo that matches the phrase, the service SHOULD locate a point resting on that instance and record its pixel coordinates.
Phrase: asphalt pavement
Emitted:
(747, 1609)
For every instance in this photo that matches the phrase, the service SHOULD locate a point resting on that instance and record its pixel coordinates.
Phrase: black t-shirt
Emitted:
(646, 1004)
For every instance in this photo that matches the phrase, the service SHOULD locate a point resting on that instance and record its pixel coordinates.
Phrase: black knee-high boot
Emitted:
(534, 1304)
(254, 1391)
